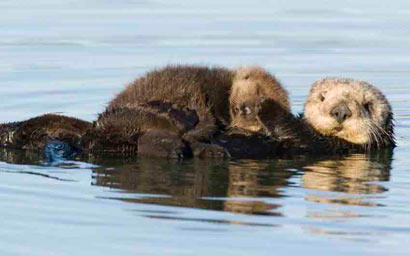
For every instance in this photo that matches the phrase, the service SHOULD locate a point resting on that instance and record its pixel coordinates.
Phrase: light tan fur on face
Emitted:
(370, 111)
(250, 86)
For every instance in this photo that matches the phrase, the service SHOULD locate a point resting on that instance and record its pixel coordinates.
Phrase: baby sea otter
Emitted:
(340, 115)
(249, 86)
(180, 110)
(170, 112)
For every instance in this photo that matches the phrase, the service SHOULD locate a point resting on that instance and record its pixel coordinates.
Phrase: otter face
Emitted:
(251, 85)
(351, 110)
(244, 115)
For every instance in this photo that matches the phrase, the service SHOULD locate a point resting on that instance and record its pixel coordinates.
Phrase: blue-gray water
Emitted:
(73, 56)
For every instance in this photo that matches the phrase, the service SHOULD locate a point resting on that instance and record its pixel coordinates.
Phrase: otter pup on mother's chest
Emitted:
(194, 104)
(194, 111)
(250, 86)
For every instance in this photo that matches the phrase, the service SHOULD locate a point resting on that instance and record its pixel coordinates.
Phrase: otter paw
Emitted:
(268, 110)
(266, 106)
(203, 150)
(184, 119)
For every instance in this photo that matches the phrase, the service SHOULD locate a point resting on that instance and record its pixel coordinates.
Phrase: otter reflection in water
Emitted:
(247, 187)
(221, 185)
(357, 177)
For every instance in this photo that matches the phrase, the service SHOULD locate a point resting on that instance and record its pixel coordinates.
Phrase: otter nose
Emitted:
(341, 112)
(245, 110)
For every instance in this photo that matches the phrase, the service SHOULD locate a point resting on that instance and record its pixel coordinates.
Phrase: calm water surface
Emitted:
(73, 56)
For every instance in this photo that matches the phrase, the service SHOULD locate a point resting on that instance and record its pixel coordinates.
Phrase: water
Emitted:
(73, 56)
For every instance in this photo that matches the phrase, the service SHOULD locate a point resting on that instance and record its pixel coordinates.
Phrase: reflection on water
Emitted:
(268, 194)
(165, 183)
(228, 186)
(245, 182)
(19, 157)
(355, 176)
(241, 187)
(234, 186)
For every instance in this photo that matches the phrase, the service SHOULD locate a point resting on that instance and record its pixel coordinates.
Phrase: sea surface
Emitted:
(72, 56)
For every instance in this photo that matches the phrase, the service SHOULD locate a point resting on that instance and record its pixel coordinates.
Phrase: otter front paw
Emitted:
(268, 107)
(184, 119)
(272, 116)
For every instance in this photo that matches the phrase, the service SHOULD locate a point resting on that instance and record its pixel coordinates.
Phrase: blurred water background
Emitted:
(72, 56)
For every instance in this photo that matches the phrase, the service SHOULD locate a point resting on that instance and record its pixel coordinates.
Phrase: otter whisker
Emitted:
(382, 134)
(374, 134)
(371, 135)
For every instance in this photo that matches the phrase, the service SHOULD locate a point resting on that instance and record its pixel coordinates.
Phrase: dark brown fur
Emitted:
(35, 133)
(171, 112)
(131, 131)
(202, 89)
(250, 86)
(186, 103)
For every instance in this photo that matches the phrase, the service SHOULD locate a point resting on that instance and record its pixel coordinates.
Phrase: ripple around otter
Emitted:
(72, 56)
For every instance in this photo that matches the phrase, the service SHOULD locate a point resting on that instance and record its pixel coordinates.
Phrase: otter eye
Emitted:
(367, 107)
(321, 97)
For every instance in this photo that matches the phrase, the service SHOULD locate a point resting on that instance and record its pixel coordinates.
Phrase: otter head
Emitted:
(250, 86)
(352, 110)
(243, 109)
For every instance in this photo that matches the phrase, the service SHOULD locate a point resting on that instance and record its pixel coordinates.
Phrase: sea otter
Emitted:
(172, 112)
(179, 110)
(183, 111)
(249, 86)
(340, 115)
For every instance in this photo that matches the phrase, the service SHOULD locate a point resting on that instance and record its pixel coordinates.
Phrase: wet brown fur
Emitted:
(35, 133)
(183, 111)
(185, 105)
(202, 89)
(250, 86)
(171, 112)
(123, 130)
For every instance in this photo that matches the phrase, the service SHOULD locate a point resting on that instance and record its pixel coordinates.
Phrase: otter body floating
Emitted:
(189, 111)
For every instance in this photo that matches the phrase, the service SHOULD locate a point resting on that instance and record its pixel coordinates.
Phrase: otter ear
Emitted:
(368, 107)
(322, 96)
